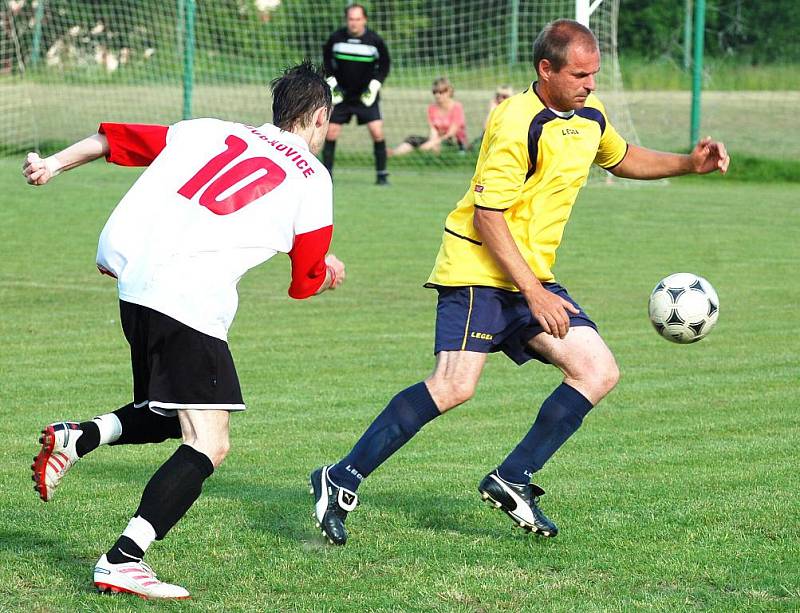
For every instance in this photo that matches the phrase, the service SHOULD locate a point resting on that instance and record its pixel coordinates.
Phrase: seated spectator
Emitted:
(502, 92)
(446, 121)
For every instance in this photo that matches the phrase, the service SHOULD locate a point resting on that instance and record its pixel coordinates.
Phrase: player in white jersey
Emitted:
(217, 198)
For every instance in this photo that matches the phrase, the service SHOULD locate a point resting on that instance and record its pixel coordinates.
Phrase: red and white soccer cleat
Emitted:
(135, 578)
(55, 458)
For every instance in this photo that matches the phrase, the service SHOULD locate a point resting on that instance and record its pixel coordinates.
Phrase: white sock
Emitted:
(141, 532)
(110, 428)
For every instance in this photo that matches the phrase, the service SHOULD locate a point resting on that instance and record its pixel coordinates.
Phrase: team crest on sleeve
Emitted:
(478, 188)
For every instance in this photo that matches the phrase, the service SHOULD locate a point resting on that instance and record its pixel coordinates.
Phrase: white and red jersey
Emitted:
(217, 199)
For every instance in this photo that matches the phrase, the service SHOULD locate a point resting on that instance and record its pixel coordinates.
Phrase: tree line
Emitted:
(422, 32)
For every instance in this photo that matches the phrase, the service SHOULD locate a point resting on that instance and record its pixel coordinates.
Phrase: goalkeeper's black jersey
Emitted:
(355, 61)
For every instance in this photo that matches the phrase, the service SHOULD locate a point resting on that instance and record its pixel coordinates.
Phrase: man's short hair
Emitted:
(297, 93)
(350, 7)
(554, 40)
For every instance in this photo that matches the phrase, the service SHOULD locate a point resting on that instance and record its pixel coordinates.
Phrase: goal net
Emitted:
(67, 65)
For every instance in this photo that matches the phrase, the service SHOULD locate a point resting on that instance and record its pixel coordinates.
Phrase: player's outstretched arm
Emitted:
(38, 171)
(641, 163)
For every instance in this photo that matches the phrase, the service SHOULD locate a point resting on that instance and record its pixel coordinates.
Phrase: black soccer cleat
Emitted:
(382, 179)
(520, 502)
(331, 506)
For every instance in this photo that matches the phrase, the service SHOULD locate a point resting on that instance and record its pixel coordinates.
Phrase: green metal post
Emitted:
(697, 69)
(36, 45)
(180, 27)
(514, 36)
(687, 35)
(188, 57)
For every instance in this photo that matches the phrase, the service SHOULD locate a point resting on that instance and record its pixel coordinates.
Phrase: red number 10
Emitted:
(243, 196)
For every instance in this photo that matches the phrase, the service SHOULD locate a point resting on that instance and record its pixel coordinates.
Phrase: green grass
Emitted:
(719, 74)
(638, 74)
(660, 118)
(679, 493)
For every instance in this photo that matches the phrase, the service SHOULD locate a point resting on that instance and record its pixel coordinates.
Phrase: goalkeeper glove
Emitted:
(336, 92)
(371, 93)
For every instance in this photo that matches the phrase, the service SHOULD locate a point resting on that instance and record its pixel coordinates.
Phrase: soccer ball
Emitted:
(683, 307)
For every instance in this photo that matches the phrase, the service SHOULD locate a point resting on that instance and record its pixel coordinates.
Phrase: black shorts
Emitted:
(416, 141)
(488, 319)
(177, 367)
(344, 111)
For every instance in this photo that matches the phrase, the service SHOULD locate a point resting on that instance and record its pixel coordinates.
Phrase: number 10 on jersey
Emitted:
(269, 176)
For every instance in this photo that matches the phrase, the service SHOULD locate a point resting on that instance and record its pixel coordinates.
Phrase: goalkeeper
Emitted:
(357, 63)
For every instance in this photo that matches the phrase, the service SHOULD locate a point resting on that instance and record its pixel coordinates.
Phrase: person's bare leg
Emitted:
(166, 498)
(590, 372)
(452, 383)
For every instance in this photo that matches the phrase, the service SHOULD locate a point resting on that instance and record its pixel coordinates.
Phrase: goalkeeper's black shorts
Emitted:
(344, 111)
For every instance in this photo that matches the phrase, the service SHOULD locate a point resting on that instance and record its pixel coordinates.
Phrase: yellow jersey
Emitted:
(531, 165)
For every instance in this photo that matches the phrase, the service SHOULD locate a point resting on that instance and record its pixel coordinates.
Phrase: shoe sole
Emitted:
(517, 521)
(39, 466)
(107, 588)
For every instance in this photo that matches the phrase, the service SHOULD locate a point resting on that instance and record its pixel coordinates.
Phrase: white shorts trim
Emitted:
(169, 409)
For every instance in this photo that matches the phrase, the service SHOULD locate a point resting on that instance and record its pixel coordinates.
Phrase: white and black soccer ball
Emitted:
(683, 307)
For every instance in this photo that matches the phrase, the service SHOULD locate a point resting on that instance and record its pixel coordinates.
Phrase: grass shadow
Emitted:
(53, 553)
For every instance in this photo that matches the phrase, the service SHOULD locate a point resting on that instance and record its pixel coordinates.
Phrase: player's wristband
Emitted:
(333, 275)
(53, 165)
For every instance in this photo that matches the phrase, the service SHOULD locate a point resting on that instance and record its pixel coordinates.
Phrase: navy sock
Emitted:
(402, 418)
(560, 416)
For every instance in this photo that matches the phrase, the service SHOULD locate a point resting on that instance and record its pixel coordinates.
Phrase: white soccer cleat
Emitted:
(55, 458)
(135, 578)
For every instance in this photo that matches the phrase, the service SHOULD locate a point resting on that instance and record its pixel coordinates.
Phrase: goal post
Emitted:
(584, 10)
(66, 65)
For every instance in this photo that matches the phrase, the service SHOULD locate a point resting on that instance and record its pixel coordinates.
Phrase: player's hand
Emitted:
(38, 171)
(371, 93)
(551, 311)
(335, 271)
(336, 91)
(709, 155)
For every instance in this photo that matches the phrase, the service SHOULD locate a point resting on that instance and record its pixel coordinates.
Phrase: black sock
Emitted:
(174, 488)
(379, 148)
(328, 153)
(124, 550)
(402, 418)
(558, 419)
(140, 425)
(89, 440)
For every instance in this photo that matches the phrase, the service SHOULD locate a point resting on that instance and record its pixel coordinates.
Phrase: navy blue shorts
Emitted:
(487, 319)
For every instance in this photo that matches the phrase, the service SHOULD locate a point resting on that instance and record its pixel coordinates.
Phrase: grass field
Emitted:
(65, 112)
(680, 492)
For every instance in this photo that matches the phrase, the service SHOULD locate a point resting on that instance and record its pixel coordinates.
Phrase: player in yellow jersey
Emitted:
(496, 288)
